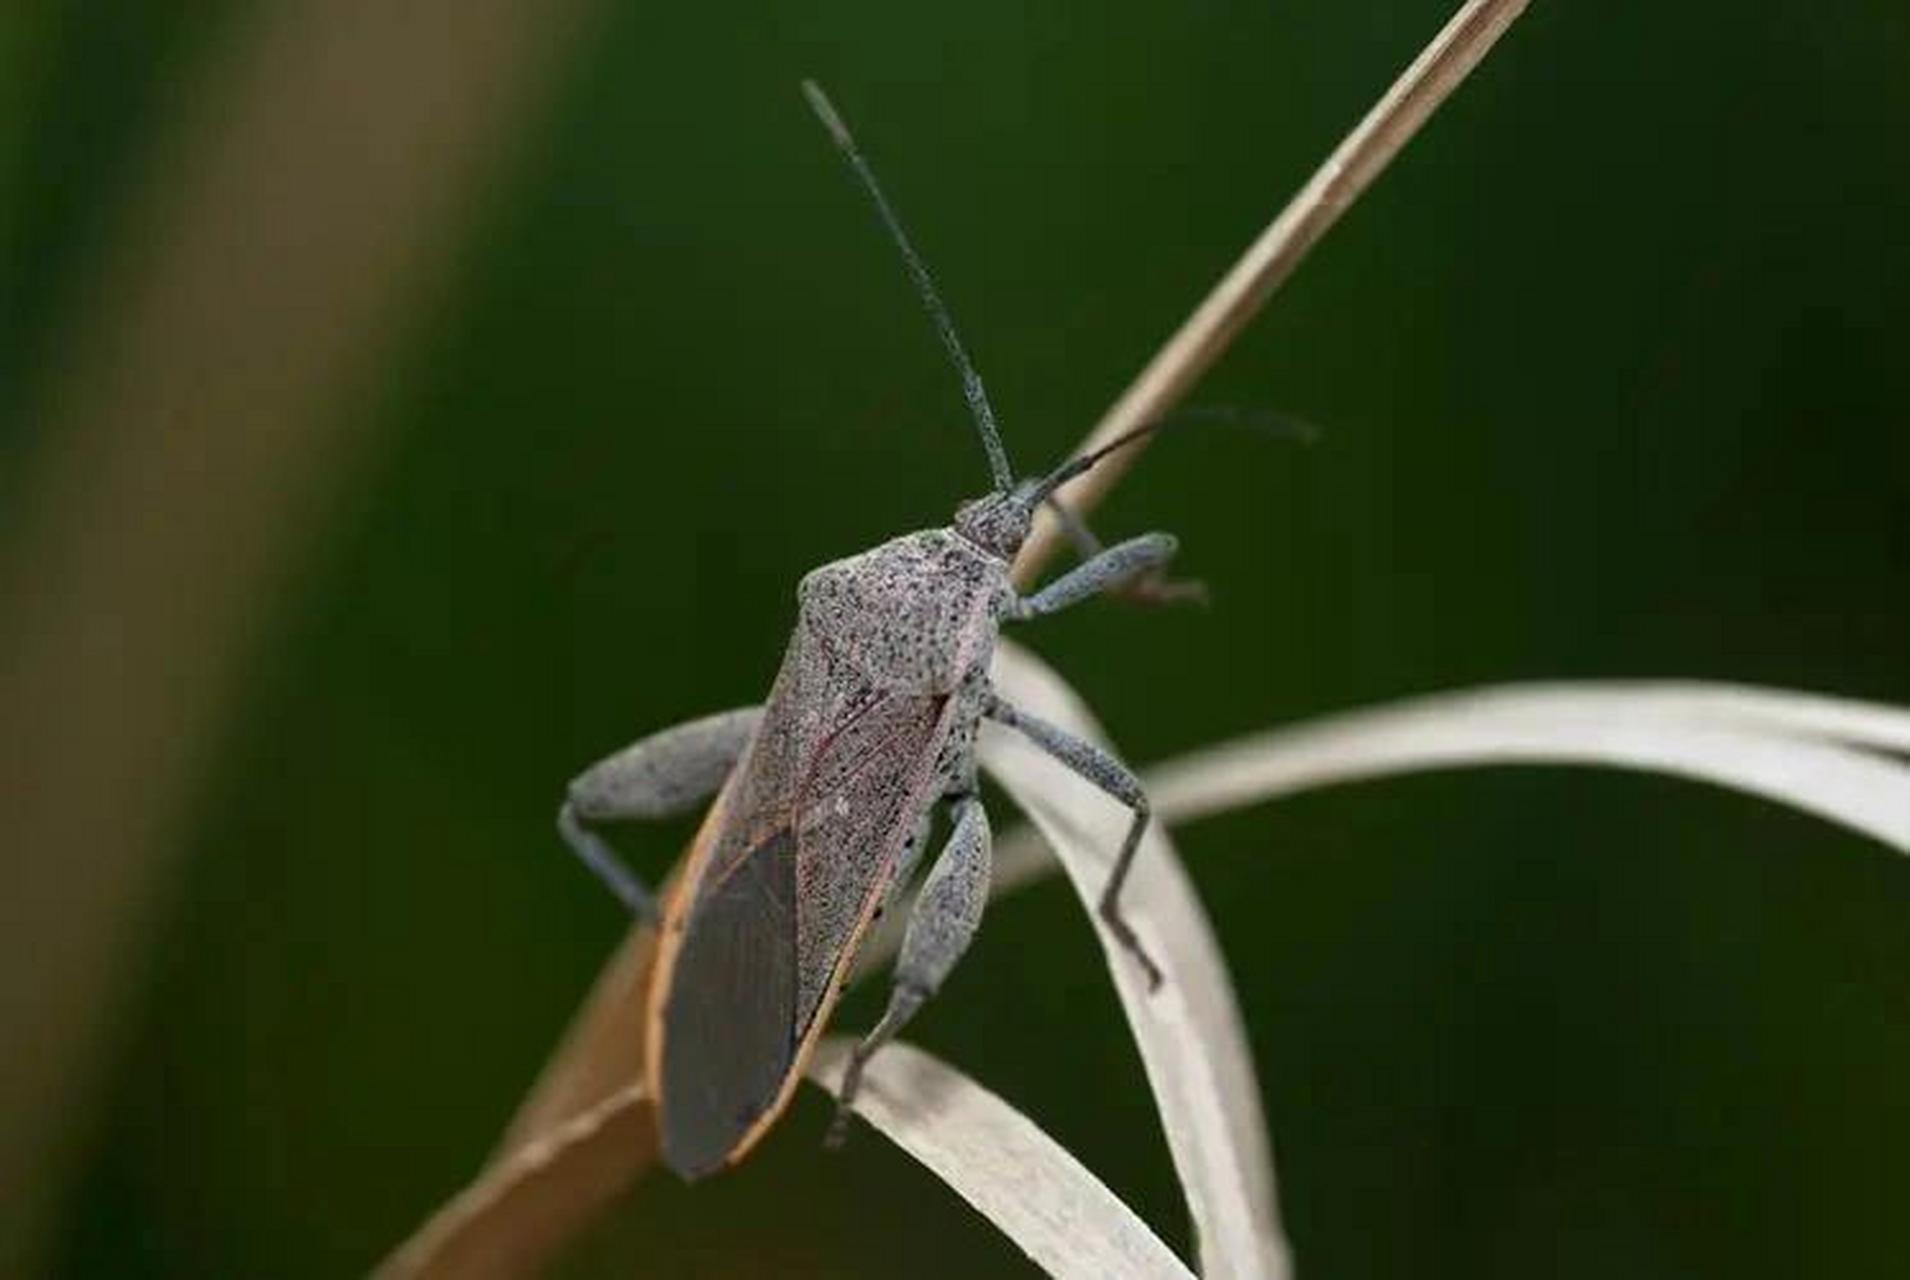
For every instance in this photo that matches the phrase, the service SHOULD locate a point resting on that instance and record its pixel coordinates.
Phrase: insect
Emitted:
(825, 792)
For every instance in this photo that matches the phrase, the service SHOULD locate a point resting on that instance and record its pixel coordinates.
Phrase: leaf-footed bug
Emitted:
(824, 793)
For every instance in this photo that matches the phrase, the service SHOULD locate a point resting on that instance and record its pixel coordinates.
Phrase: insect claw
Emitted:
(1125, 935)
(1155, 588)
(1149, 968)
(838, 1132)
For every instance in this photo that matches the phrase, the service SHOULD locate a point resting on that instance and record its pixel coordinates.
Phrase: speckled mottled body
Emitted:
(872, 719)
(871, 722)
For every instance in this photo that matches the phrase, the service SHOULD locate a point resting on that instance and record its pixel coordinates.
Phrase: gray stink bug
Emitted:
(824, 794)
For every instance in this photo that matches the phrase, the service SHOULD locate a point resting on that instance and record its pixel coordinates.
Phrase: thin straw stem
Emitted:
(1361, 157)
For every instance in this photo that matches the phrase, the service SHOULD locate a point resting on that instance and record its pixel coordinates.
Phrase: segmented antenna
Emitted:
(937, 310)
(1276, 423)
(1075, 466)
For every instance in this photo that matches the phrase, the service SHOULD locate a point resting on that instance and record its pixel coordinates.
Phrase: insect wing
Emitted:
(727, 1045)
(814, 820)
(857, 807)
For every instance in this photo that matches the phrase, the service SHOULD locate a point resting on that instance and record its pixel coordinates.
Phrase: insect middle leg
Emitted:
(944, 919)
(660, 776)
(1113, 777)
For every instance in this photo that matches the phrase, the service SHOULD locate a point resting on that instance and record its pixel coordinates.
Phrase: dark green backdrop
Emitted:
(1611, 370)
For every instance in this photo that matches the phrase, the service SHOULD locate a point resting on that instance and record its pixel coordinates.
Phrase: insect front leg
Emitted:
(660, 776)
(1105, 570)
(1149, 586)
(1113, 777)
(946, 913)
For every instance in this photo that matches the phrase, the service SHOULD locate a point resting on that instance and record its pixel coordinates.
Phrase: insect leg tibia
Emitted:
(667, 773)
(595, 852)
(943, 922)
(1113, 777)
(903, 1002)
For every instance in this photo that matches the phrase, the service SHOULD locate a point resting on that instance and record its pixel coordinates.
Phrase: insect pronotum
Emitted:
(825, 792)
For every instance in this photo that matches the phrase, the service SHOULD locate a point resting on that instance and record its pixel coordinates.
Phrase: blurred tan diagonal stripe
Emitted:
(299, 213)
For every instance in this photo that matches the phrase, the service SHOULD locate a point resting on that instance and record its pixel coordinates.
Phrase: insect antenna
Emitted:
(1075, 466)
(938, 311)
(1272, 423)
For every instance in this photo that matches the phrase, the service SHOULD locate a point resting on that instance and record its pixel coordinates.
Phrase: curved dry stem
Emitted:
(1189, 1031)
(601, 1052)
(1866, 793)
(531, 1202)
(1016, 1176)
(1796, 749)
(1693, 702)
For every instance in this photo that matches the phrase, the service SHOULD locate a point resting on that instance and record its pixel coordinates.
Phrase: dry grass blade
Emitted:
(999, 1161)
(515, 1210)
(1551, 725)
(1691, 702)
(531, 1202)
(1360, 158)
(584, 1134)
(601, 1053)
(1189, 1032)
(1773, 742)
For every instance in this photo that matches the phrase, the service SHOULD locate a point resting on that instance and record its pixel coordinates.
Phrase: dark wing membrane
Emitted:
(729, 1015)
(859, 799)
(727, 1043)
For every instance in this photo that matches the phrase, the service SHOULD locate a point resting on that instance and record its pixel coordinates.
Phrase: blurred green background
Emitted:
(1611, 368)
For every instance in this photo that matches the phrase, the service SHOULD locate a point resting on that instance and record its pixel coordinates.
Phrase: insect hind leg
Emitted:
(943, 922)
(660, 776)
